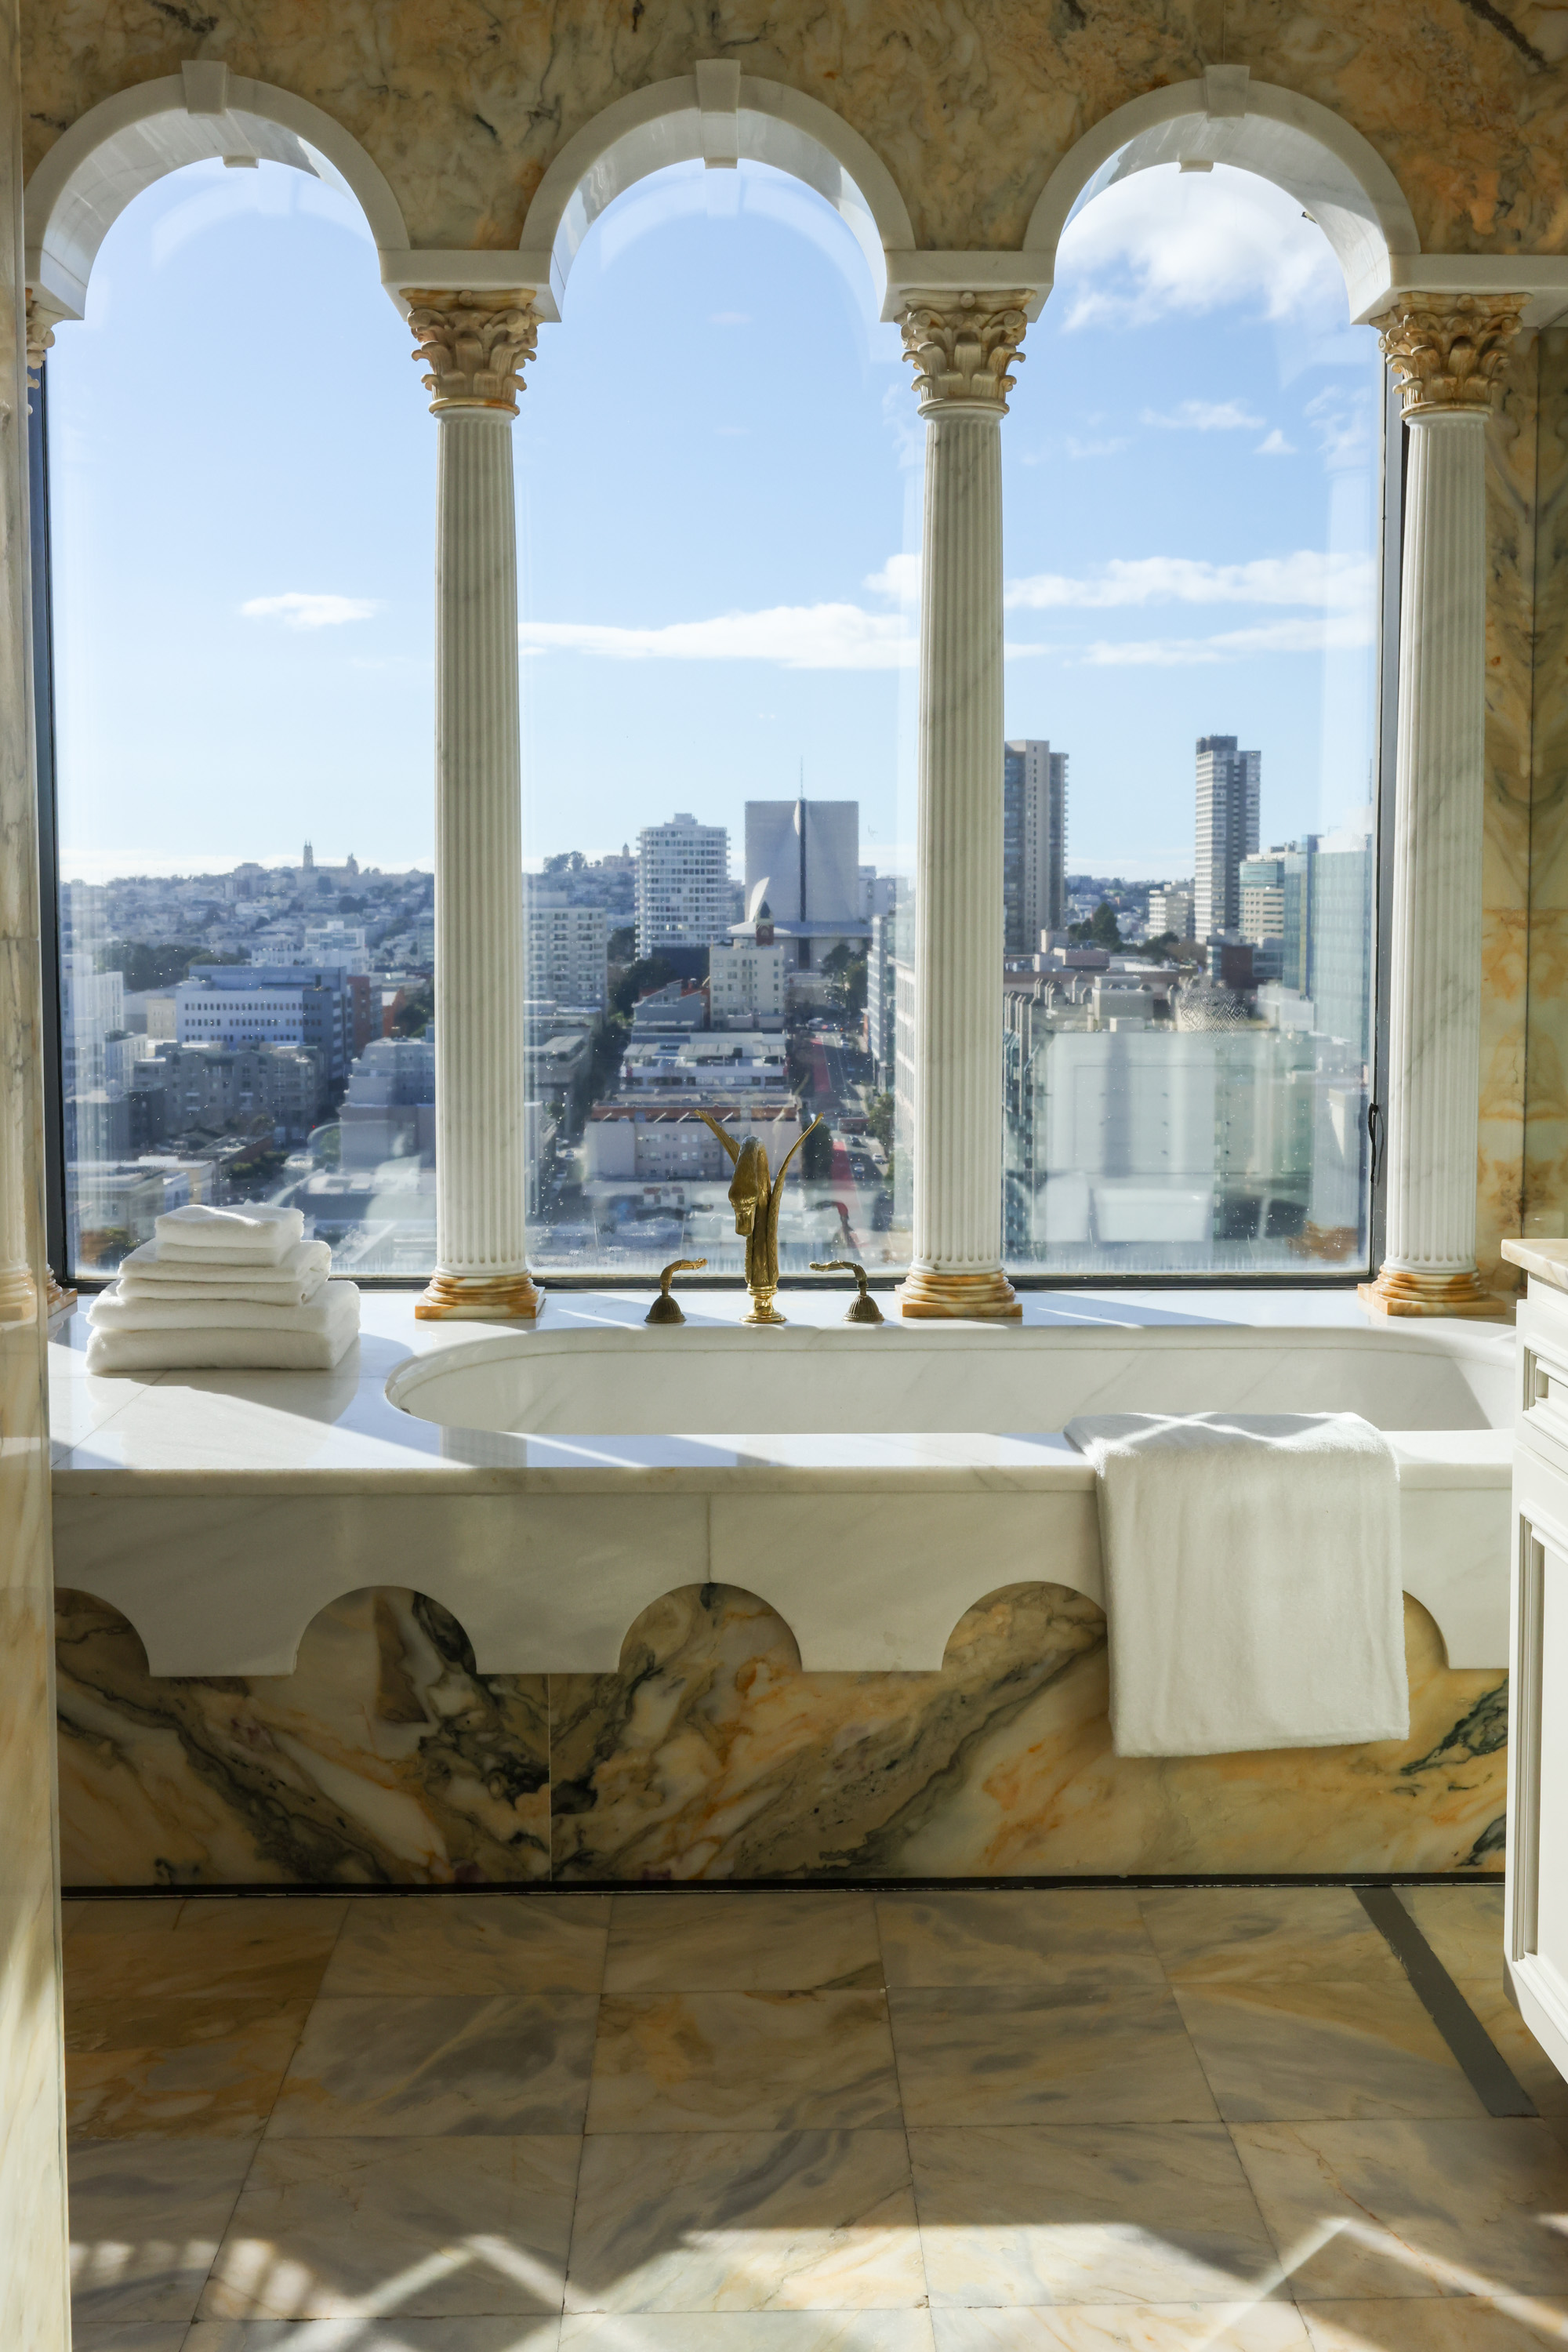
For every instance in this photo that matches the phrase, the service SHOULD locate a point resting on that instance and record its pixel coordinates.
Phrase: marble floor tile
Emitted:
(1022, 2054)
(1464, 1925)
(750, 2331)
(760, 2061)
(1277, 2053)
(145, 2223)
(745, 2221)
(1084, 2215)
(470, 1943)
(762, 1942)
(272, 1949)
(1518, 2047)
(1271, 1934)
(995, 1937)
(1364, 2211)
(435, 2064)
(131, 2335)
(1424, 2324)
(540, 2332)
(154, 1912)
(172, 2069)
(1125, 2328)
(418, 2228)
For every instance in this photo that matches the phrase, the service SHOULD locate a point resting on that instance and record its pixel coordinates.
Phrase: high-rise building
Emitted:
(1171, 913)
(1034, 844)
(802, 861)
(747, 982)
(1342, 927)
(567, 950)
(683, 886)
(1227, 794)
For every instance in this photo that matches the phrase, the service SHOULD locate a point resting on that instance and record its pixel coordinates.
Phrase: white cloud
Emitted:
(796, 637)
(1077, 448)
(299, 611)
(899, 578)
(1205, 417)
(1276, 445)
(1308, 577)
(1161, 242)
(1341, 632)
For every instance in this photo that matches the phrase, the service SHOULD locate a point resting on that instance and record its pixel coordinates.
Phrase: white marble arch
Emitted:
(114, 150)
(723, 117)
(1334, 172)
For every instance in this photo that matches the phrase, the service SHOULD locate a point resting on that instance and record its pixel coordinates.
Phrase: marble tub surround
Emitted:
(1445, 356)
(658, 2215)
(388, 1759)
(473, 348)
(962, 351)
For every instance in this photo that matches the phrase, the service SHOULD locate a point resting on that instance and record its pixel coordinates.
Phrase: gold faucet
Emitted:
(756, 1198)
(666, 1308)
(865, 1308)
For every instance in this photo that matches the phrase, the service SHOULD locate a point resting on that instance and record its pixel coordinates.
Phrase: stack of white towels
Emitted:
(217, 1288)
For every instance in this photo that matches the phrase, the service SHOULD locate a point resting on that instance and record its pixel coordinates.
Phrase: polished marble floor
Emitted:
(1030, 2121)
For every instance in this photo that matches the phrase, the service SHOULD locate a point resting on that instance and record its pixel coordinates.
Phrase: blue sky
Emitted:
(720, 468)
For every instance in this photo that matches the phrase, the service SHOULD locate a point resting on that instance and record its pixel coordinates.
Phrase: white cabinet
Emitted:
(1537, 1915)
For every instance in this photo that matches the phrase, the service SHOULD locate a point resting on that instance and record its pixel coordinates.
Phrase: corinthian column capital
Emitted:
(474, 346)
(40, 336)
(1448, 351)
(962, 347)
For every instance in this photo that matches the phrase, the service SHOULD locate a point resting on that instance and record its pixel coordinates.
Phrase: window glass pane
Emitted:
(242, 495)
(1193, 478)
(719, 463)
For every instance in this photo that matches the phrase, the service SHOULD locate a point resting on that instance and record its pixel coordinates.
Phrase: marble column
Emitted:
(34, 2269)
(963, 347)
(1446, 352)
(474, 347)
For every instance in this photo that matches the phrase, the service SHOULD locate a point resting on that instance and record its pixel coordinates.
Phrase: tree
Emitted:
(638, 980)
(145, 965)
(1102, 931)
(621, 944)
(880, 1120)
(816, 1154)
(844, 972)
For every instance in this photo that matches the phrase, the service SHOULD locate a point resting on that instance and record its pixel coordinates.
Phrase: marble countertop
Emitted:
(250, 1431)
(1546, 1261)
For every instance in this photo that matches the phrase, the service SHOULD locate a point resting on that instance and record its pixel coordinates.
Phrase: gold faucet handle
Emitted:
(864, 1309)
(665, 1307)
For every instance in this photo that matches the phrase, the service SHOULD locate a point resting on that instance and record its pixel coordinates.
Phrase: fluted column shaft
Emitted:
(475, 345)
(962, 350)
(1446, 359)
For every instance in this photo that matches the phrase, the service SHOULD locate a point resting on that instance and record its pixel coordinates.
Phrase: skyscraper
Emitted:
(1034, 844)
(804, 858)
(683, 886)
(1227, 780)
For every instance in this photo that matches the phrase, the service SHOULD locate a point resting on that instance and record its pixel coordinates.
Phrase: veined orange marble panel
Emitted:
(1506, 844)
(463, 104)
(1546, 1170)
(711, 1755)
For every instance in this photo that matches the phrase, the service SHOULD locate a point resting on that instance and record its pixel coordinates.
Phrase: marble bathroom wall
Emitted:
(1506, 822)
(463, 103)
(385, 1758)
(1546, 1175)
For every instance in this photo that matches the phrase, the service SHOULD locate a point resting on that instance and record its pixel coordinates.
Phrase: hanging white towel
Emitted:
(146, 1272)
(303, 1339)
(258, 1233)
(1252, 1580)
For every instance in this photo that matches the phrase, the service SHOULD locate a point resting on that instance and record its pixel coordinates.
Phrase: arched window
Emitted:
(1193, 479)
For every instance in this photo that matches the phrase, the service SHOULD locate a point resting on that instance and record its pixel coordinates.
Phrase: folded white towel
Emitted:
(313, 1340)
(258, 1235)
(147, 1272)
(111, 1310)
(1252, 1580)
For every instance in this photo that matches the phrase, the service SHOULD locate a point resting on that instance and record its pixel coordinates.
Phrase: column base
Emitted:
(480, 1298)
(1399, 1292)
(984, 1298)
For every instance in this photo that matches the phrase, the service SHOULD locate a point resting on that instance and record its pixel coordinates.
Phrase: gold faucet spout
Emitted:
(756, 1196)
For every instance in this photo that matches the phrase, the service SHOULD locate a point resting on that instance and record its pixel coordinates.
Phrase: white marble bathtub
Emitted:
(870, 1486)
